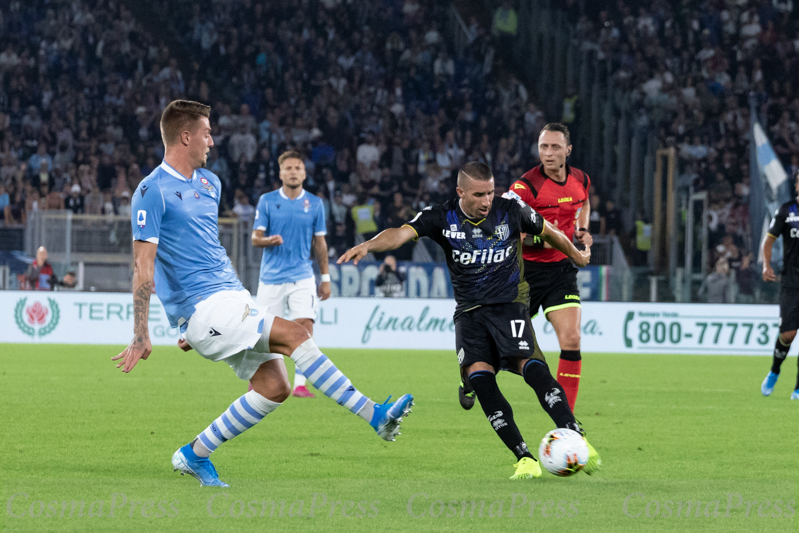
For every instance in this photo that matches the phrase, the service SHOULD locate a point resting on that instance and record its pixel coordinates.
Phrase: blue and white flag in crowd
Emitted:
(769, 189)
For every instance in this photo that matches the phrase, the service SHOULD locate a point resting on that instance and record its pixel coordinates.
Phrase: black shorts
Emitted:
(789, 309)
(553, 286)
(498, 334)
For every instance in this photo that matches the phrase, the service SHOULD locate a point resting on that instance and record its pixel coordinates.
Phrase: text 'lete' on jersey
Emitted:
(297, 221)
(180, 215)
(482, 255)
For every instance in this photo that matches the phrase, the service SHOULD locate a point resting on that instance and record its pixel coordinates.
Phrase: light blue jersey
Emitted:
(180, 216)
(297, 221)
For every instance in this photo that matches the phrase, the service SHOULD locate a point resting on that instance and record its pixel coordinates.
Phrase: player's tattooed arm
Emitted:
(141, 310)
(390, 239)
(143, 271)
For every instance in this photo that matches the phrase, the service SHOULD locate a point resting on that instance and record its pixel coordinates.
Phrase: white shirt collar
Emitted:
(302, 193)
(165, 166)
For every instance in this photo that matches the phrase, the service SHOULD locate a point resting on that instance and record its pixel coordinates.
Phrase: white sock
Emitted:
(299, 378)
(324, 375)
(242, 414)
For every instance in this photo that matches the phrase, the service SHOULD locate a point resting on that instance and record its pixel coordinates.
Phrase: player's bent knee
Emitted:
(286, 336)
(788, 336)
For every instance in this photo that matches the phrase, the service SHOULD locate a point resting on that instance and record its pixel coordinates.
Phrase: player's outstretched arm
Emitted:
(768, 244)
(556, 238)
(390, 239)
(143, 270)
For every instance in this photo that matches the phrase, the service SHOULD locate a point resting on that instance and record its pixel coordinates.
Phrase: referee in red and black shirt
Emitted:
(560, 194)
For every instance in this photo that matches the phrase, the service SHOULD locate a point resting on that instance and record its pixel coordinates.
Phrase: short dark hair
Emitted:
(178, 116)
(560, 128)
(476, 171)
(291, 154)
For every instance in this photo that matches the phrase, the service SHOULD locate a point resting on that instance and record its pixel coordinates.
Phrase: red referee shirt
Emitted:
(561, 202)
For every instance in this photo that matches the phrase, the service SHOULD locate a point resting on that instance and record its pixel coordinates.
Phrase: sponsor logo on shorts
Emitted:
(214, 333)
(461, 355)
(571, 297)
(523, 345)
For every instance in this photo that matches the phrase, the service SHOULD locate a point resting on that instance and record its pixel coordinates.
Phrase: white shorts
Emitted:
(228, 326)
(290, 300)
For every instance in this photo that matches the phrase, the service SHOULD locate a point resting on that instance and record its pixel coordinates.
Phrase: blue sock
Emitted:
(242, 414)
(328, 379)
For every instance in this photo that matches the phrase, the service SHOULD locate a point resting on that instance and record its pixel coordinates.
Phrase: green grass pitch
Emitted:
(688, 444)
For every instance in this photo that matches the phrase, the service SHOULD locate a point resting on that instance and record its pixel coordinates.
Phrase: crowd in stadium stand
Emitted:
(690, 68)
(372, 94)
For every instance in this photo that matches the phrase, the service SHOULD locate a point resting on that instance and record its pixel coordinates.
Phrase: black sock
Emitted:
(499, 412)
(780, 353)
(571, 355)
(550, 394)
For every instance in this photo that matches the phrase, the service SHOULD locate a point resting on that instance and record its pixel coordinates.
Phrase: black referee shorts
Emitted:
(553, 286)
(498, 334)
(789, 309)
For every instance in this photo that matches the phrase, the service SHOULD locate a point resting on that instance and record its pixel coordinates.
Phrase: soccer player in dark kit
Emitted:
(785, 224)
(480, 235)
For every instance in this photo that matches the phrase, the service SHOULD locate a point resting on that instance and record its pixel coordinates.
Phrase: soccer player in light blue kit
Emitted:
(176, 245)
(289, 222)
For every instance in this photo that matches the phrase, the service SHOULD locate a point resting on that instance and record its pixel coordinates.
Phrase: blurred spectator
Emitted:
(74, 201)
(242, 207)
(389, 281)
(596, 221)
(613, 221)
(5, 200)
(642, 240)
(363, 215)
(716, 284)
(40, 273)
(15, 212)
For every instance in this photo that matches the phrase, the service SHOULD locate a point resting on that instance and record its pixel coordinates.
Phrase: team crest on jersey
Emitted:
(208, 187)
(306, 205)
(502, 232)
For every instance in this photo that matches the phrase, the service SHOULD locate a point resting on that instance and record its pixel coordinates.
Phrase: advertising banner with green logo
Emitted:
(410, 323)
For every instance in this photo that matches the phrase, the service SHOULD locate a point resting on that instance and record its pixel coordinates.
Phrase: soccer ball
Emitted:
(563, 452)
